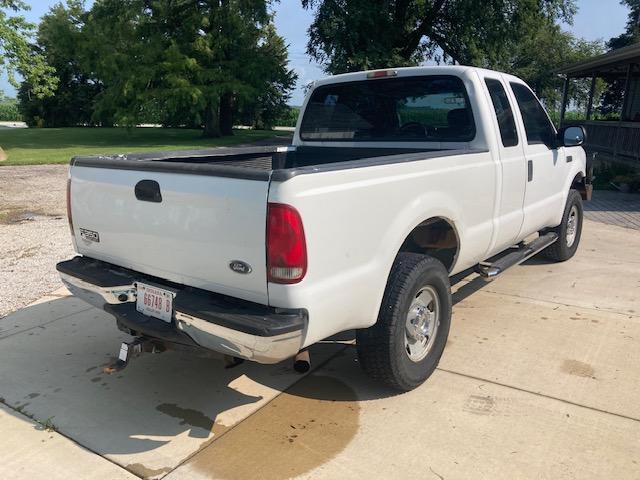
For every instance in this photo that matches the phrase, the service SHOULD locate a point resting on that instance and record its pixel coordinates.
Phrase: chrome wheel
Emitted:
(423, 320)
(572, 226)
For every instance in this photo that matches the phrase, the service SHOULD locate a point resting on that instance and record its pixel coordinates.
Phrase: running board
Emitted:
(489, 271)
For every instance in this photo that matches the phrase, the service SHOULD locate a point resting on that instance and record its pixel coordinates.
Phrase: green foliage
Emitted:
(607, 172)
(632, 31)
(610, 103)
(9, 109)
(16, 54)
(29, 146)
(288, 117)
(273, 84)
(176, 63)
(539, 55)
(351, 35)
(60, 38)
(517, 36)
(188, 63)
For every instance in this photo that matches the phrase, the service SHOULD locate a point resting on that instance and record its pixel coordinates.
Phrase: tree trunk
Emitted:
(211, 123)
(226, 114)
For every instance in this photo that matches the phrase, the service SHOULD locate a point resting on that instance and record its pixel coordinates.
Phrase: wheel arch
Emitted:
(436, 236)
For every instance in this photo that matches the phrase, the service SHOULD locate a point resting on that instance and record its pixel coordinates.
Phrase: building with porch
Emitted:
(616, 139)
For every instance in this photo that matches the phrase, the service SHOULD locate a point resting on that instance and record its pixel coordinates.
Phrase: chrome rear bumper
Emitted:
(202, 319)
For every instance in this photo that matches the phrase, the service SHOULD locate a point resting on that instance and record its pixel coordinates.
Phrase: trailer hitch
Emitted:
(129, 350)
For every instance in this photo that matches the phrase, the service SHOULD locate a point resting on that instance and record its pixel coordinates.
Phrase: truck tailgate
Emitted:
(201, 224)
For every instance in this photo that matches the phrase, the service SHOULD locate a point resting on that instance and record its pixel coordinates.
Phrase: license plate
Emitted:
(154, 302)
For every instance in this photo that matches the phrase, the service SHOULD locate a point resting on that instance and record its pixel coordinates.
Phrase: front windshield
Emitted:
(428, 108)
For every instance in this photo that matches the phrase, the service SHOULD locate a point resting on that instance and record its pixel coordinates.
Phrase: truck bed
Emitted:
(187, 216)
(256, 163)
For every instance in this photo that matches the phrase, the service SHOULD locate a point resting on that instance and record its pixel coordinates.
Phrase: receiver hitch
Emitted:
(129, 350)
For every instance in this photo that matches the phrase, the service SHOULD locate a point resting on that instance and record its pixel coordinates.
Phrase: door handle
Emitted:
(529, 170)
(148, 191)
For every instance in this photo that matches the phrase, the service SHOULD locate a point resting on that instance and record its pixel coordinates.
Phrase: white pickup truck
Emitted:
(395, 181)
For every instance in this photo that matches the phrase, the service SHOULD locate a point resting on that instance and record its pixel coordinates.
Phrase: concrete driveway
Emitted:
(539, 380)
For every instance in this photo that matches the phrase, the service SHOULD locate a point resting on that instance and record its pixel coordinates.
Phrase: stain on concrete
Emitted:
(96, 379)
(300, 430)
(580, 369)
(32, 395)
(480, 405)
(144, 472)
(90, 369)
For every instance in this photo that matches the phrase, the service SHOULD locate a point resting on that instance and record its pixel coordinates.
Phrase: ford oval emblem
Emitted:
(239, 266)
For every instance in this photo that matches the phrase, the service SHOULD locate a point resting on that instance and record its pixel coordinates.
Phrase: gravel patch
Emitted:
(34, 233)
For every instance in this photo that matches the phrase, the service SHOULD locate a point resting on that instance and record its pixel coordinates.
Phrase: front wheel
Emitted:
(569, 231)
(404, 347)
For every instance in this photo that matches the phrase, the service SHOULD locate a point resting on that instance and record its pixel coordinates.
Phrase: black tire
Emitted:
(382, 351)
(561, 251)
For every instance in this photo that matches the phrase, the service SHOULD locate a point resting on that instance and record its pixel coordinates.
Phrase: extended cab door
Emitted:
(544, 161)
(514, 171)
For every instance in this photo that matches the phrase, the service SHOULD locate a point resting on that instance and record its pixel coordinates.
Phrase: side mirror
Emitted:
(573, 136)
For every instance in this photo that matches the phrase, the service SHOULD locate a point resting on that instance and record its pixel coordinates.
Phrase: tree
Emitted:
(612, 98)
(632, 30)
(539, 55)
(16, 54)
(273, 83)
(191, 63)
(351, 35)
(60, 40)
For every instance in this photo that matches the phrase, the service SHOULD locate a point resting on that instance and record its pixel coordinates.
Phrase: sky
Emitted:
(596, 19)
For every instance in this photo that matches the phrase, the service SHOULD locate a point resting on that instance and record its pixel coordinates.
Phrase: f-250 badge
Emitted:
(89, 235)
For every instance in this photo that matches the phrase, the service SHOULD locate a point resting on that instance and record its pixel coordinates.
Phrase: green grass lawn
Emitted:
(31, 146)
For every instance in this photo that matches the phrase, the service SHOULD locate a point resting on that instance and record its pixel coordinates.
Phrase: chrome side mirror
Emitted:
(573, 136)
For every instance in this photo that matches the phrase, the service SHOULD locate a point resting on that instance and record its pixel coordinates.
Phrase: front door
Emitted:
(544, 162)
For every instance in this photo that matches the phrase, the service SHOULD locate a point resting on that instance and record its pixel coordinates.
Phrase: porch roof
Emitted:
(613, 62)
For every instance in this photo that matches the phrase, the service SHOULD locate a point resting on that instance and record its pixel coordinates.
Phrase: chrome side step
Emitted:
(489, 271)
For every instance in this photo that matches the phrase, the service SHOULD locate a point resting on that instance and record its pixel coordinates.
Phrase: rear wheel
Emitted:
(404, 347)
(569, 231)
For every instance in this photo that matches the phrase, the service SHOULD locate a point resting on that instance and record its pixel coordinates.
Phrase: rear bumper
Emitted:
(201, 319)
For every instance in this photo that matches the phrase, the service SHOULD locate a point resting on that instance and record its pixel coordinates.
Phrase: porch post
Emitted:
(627, 85)
(565, 91)
(591, 92)
(625, 99)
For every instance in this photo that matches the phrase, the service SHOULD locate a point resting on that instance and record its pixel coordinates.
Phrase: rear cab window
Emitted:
(537, 125)
(422, 109)
(503, 111)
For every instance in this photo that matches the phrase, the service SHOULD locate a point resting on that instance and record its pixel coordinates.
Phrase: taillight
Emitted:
(69, 217)
(286, 245)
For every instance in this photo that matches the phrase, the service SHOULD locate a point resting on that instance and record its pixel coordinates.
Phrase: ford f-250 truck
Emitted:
(395, 181)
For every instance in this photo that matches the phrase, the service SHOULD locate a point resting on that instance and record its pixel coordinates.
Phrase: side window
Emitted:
(501, 105)
(536, 123)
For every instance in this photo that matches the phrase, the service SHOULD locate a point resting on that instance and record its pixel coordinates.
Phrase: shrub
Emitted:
(9, 110)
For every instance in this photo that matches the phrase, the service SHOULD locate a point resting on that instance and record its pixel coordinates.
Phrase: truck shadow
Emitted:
(163, 408)
(465, 290)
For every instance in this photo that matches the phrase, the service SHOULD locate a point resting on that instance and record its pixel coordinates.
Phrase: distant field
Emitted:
(30, 146)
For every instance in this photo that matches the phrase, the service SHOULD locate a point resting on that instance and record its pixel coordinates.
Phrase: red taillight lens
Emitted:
(286, 245)
(69, 217)
(382, 74)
